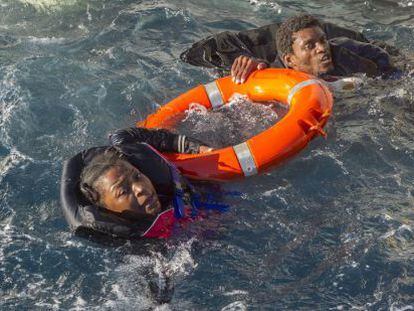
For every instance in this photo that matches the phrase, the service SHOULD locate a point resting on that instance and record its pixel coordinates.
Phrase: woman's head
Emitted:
(114, 184)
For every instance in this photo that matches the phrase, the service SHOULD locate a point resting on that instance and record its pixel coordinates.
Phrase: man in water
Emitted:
(301, 43)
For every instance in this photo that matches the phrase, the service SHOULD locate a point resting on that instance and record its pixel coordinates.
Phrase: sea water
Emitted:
(331, 229)
(238, 120)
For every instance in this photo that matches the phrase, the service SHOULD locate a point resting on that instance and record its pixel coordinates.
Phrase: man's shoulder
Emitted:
(347, 62)
(363, 54)
(334, 31)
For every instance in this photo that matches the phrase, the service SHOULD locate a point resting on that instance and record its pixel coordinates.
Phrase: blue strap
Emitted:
(209, 204)
(178, 204)
(178, 199)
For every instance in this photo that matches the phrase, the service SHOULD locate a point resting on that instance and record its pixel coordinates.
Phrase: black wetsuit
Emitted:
(351, 51)
(161, 139)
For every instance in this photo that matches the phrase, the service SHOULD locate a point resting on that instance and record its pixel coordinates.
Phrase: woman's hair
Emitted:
(97, 167)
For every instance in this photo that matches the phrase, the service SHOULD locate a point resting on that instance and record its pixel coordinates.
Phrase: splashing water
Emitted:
(233, 123)
(43, 5)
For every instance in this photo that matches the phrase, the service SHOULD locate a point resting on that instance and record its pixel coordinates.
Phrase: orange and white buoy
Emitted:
(309, 102)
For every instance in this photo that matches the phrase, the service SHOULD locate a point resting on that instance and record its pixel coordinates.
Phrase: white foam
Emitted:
(330, 154)
(49, 5)
(181, 264)
(406, 4)
(12, 160)
(88, 13)
(392, 232)
(80, 126)
(402, 308)
(270, 4)
(235, 306)
(11, 103)
(5, 236)
(129, 287)
(236, 292)
(45, 40)
(397, 93)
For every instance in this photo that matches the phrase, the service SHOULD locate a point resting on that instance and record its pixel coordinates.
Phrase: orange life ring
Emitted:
(310, 104)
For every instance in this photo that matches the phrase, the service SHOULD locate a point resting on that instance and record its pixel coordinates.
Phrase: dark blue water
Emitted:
(330, 230)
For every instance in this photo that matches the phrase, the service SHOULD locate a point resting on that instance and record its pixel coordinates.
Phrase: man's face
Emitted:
(311, 52)
(123, 188)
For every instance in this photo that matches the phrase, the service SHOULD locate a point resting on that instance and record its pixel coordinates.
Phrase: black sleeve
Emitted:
(369, 51)
(161, 139)
(348, 63)
(334, 31)
(220, 50)
(391, 50)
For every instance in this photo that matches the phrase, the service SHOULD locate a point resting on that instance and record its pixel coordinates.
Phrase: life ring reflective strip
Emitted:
(300, 86)
(214, 95)
(310, 104)
(246, 159)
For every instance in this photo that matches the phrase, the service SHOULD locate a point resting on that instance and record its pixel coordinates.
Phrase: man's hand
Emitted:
(243, 66)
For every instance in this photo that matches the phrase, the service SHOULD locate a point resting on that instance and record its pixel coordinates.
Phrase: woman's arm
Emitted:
(161, 139)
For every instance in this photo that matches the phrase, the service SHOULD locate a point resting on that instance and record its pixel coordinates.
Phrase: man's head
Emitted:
(114, 184)
(302, 45)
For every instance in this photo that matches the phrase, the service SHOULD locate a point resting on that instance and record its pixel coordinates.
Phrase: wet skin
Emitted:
(311, 52)
(123, 188)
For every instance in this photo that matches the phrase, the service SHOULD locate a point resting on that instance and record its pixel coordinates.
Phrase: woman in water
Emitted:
(129, 189)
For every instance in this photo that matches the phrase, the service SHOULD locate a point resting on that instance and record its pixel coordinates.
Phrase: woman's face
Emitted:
(123, 188)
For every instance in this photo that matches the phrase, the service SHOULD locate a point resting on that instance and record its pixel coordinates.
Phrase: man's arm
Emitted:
(222, 49)
(368, 51)
(334, 31)
(161, 139)
(217, 51)
(347, 63)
